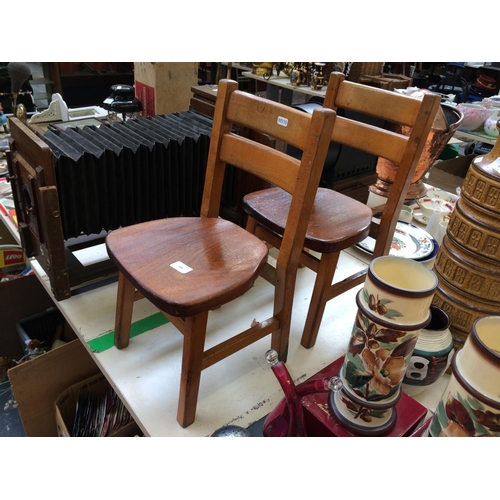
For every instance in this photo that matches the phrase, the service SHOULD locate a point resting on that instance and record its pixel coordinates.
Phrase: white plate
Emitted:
(409, 241)
(420, 217)
(441, 194)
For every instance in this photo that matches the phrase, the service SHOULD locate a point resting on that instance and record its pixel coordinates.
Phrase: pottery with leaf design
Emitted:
(399, 290)
(393, 306)
(470, 404)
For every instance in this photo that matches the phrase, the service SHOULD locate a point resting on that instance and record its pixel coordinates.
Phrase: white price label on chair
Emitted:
(282, 121)
(181, 267)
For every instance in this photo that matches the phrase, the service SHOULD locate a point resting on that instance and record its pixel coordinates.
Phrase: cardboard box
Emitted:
(164, 87)
(66, 405)
(20, 298)
(49, 327)
(36, 384)
(449, 174)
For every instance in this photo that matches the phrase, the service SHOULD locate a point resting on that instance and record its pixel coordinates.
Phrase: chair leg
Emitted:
(192, 357)
(319, 298)
(124, 308)
(251, 224)
(279, 343)
(283, 307)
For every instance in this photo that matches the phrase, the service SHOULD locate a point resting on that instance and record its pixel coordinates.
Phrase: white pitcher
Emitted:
(433, 226)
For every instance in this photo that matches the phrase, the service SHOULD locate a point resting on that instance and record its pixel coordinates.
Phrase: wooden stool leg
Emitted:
(319, 298)
(124, 308)
(192, 357)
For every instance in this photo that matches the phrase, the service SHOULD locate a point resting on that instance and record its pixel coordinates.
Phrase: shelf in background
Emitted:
(475, 135)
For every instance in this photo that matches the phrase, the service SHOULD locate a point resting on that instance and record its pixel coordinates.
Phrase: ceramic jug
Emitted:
(490, 125)
(433, 226)
(432, 354)
(393, 306)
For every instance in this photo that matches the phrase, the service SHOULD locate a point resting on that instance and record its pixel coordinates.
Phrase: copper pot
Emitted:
(447, 120)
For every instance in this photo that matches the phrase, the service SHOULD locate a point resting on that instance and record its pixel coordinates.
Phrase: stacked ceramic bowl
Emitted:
(468, 262)
(474, 116)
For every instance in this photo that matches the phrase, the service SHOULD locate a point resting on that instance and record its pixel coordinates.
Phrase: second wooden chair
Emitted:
(337, 221)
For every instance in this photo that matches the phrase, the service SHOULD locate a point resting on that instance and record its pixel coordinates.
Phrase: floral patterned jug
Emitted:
(393, 307)
(470, 405)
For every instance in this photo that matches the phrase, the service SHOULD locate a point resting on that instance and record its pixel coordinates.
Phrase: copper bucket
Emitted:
(447, 120)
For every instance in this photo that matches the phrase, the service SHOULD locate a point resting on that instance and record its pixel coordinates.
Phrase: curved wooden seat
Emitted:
(222, 258)
(337, 222)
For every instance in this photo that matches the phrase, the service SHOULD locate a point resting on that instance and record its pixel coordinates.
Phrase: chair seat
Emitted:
(337, 221)
(224, 260)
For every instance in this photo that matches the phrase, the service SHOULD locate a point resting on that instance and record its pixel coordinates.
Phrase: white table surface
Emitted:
(239, 390)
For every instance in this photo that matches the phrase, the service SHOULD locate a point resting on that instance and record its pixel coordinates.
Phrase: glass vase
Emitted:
(287, 419)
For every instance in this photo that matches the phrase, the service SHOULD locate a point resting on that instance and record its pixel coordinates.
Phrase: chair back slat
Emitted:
(372, 101)
(256, 158)
(370, 139)
(281, 122)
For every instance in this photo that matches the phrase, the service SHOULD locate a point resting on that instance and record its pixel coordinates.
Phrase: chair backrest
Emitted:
(403, 150)
(309, 133)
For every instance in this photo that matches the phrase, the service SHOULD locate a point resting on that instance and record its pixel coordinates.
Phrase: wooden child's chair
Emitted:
(188, 266)
(337, 221)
